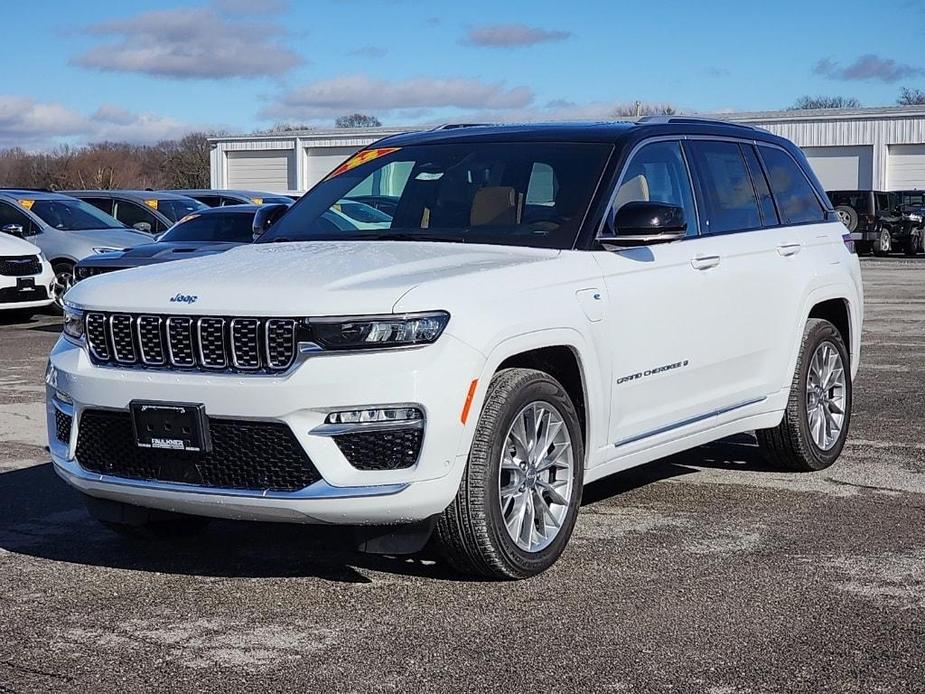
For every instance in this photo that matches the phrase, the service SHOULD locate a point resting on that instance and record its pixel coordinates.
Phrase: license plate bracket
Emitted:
(171, 426)
(25, 283)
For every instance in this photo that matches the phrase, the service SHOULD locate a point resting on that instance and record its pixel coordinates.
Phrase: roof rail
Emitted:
(455, 126)
(706, 120)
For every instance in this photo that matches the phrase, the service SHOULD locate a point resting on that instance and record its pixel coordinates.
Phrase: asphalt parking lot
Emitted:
(705, 572)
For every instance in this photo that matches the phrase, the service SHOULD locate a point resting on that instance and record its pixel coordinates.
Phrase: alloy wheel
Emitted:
(826, 395)
(62, 282)
(885, 241)
(535, 476)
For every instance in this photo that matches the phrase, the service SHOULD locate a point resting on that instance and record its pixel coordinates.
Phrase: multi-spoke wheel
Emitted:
(64, 278)
(815, 423)
(521, 488)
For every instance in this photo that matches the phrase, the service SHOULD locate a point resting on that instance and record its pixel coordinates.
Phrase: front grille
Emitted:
(62, 426)
(209, 342)
(20, 265)
(245, 455)
(394, 449)
(12, 295)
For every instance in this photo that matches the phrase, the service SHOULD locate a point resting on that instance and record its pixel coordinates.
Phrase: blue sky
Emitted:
(143, 70)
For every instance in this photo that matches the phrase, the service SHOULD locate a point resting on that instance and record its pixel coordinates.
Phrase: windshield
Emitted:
(73, 215)
(913, 199)
(178, 209)
(230, 226)
(524, 194)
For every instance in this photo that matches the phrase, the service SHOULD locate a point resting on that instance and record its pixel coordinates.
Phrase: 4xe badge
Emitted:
(183, 299)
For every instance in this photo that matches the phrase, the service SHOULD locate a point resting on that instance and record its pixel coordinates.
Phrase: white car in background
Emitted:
(26, 279)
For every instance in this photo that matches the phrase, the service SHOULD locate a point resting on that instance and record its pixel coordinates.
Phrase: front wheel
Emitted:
(884, 243)
(64, 278)
(915, 242)
(815, 425)
(519, 496)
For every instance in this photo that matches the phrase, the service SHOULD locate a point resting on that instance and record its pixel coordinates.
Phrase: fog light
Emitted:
(383, 414)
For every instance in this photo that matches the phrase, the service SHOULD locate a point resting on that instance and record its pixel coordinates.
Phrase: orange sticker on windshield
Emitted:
(152, 203)
(27, 203)
(360, 158)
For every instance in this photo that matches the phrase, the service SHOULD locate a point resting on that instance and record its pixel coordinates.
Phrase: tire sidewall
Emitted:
(539, 389)
(818, 458)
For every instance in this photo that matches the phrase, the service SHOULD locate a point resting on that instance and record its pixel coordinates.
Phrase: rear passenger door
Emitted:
(131, 213)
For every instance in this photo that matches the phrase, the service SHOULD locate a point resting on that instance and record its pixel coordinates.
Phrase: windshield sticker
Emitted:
(27, 203)
(360, 158)
(152, 203)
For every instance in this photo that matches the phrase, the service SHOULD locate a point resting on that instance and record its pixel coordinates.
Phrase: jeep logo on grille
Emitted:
(183, 299)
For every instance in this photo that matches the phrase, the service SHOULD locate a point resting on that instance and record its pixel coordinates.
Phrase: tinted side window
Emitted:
(658, 173)
(104, 204)
(796, 198)
(760, 181)
(131, 214)
(10, 215)
(727, 190)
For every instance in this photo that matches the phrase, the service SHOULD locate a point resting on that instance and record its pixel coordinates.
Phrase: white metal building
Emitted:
(878, 148)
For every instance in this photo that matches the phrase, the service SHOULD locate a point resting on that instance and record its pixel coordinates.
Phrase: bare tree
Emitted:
(641, 108)
(811, 102)
(357, 120)
(281, 128)
(911, 97)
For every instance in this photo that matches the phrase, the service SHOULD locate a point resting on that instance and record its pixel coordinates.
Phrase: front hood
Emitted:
(295, 279)
(12, 245)
(112, 238)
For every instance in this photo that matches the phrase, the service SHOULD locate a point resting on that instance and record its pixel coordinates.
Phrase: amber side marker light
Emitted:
(471, 394)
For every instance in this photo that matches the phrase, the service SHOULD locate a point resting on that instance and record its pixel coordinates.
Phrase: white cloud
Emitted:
(326, 98)
(191, 43)
(511, 35)
(31, 124)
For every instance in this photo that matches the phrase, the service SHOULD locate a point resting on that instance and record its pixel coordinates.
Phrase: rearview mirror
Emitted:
(142, 226)
(266, 216)
(13, 230)
(645, 223)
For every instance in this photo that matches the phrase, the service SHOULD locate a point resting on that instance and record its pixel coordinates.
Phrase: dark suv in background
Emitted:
(879, 221)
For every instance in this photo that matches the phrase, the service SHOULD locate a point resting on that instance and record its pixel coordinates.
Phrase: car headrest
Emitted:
(635, 189)
(494, 206)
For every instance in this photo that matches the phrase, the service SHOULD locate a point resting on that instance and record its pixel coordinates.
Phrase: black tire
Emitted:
(137, 522)
(471, 533)
(848, 216)
(19, 315)
(914, 243)
(64, 274)
(863, 247)
(790, 445)
(884, 244)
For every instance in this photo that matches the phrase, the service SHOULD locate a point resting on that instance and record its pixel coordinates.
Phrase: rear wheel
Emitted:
(884, 243)
(915, 242)
(519, 496)
(815, 424)
(64, 278)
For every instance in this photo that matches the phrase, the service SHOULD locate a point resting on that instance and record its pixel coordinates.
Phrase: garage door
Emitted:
(906, 167)
(842, 168)
(271, 170)
(320, 161)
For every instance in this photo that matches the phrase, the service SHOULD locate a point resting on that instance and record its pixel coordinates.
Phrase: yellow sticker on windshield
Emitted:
(360, 158)
(152, 203)
(257, 201)
(27, 203)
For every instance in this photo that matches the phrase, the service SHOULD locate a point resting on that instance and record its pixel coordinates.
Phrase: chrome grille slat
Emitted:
(150, 340)
(245, 343)
(207, 343)
(280, 342)
(123, 341)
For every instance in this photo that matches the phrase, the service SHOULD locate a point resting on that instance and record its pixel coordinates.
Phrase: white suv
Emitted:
(548, 305)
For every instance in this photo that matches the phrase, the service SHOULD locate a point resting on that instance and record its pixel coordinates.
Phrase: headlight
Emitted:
(105, 249)
(377, 332)
(915, 218)
(73, 324)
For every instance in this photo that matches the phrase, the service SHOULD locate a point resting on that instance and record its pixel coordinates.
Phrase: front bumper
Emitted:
(435, 378)
(21, 300)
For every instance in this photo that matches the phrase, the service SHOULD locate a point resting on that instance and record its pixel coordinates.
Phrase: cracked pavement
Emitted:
(704, 572)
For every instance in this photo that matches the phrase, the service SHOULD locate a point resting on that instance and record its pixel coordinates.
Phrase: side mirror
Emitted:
(142, 226)
(266, 216)
(13, 230)
(645, 223)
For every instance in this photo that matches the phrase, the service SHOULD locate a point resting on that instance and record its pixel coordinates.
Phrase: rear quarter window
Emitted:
(795, 195)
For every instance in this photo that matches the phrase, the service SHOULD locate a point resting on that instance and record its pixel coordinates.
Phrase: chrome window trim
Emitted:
(115, 349)
(173, 361)
(160, 337)
(234, 354)
(202, 358)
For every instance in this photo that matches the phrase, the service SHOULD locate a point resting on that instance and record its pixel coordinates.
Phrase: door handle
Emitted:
(786, 249)
(705, 262)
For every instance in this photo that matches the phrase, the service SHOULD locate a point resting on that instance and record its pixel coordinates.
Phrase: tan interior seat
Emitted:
(494, 206)
(635, 189)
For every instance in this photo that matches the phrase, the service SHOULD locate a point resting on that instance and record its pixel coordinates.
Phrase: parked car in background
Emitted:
(362, 215)
(877, 221)
(225, 197)
(150, 211)
(65, 228)
(26, 279)
(912, 204)
(209, 231)
(550, 305)
(383, 203)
